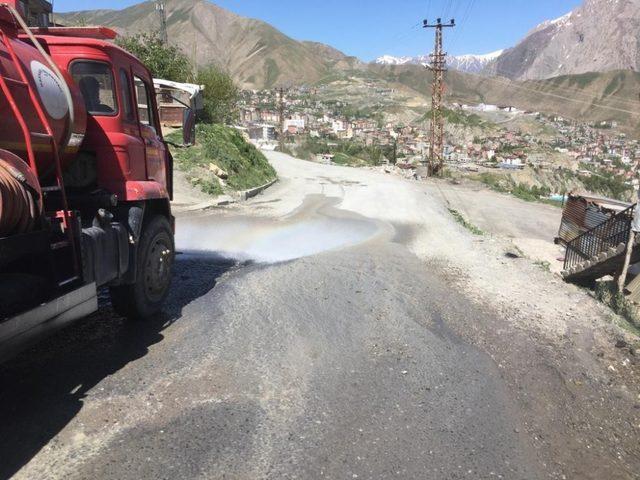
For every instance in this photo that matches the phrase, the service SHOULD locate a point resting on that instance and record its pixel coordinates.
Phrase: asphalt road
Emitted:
(300, 340)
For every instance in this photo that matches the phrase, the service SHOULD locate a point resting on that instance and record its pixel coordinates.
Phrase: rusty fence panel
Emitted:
(608, 234)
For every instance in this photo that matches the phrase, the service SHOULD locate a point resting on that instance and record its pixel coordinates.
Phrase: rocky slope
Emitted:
(256, 54)
(598, 36)
(259, 56)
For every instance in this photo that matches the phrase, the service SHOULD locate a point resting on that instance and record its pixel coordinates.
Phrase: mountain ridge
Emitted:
(258, 56)
(597, 36)
(470, 63)
(255, 53)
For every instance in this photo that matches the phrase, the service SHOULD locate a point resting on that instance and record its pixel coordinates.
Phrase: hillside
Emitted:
(256, 54)
(245, 166)
(585, 97)
(259, 56)
(598, 36)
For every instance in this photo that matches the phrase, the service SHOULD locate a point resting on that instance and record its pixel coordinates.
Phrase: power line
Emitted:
(462, 24)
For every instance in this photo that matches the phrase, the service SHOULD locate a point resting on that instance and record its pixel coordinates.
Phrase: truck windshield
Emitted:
(96, 84)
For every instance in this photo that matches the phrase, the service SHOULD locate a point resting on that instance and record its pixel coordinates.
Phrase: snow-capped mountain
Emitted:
(598, 36)
(472, 63)
(464, 63)
(391, 60)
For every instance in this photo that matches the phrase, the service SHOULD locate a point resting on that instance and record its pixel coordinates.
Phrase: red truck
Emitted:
(85, 180)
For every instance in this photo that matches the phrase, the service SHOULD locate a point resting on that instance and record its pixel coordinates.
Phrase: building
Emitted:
(262, 132)
(37, 13)
(174, 99)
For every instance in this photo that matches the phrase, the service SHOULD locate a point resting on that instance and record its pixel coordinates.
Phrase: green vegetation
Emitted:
(346, 152)
(164, 61)
(607, 184)
(615, 84)
(221, 95)
(226, 148)
(506, 184)
(456, 117)
(607, 293)
(272, 72)
(582, 80)
(543, 264)
(463, 221)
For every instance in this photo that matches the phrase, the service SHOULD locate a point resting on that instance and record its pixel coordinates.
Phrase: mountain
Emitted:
(598, 36)
(255, 54)
(259, 56)
(463, 63)
(472, 63)
(585, 97)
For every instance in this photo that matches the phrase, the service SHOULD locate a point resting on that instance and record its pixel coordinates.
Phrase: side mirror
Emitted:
(188, 127)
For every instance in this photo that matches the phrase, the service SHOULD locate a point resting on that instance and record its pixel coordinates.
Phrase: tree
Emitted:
(164, 61)
(221, 95)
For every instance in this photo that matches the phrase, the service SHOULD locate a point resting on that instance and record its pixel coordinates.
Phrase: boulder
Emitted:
(217, 171)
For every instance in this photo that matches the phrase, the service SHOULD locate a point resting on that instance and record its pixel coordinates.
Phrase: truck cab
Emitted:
(123, 140)
(95, 173)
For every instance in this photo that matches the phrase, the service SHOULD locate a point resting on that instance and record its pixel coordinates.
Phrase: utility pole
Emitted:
(281, 117)
(438, 67)
(163, 21)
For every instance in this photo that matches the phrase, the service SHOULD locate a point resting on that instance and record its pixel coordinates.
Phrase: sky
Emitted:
(368, 29)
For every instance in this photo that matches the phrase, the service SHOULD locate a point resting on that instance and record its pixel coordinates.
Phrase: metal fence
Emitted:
(608, 234)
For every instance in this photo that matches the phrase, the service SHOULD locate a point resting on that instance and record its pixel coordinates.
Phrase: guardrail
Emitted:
(608, 234)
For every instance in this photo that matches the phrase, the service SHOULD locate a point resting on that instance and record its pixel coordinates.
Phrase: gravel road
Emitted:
(341, 325)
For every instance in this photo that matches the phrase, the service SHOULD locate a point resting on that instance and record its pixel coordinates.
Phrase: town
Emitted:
(478, 137)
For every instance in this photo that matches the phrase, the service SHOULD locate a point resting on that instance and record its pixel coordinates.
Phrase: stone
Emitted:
(217, 171)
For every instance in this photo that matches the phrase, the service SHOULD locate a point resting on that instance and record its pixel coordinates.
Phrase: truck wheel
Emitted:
(156, 252)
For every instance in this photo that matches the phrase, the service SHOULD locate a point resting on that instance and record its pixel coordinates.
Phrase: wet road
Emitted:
(309, 342)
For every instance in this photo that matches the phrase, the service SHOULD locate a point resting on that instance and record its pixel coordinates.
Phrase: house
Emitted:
(174, 99)
(262, 132)
(36, 13)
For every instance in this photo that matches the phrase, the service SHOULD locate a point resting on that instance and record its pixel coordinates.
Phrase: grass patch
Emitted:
(607, 293)
(505, 184)
(345, 152)
(543, 264)
(225, 147)
(463, 221)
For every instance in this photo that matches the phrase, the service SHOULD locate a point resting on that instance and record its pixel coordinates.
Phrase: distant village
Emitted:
(298, 113)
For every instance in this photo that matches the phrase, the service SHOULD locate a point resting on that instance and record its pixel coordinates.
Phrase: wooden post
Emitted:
(631, 242)
(627, 259)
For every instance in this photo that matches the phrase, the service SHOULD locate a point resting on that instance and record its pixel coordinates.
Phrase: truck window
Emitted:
(144, 102)
(125, 91)
(96, 84)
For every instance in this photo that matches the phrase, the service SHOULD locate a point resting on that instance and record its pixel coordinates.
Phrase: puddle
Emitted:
(317, 226)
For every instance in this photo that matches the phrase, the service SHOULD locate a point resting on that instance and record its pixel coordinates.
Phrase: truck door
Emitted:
(155, 148)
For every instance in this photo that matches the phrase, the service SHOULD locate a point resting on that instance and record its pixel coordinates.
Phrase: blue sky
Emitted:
(370, 28)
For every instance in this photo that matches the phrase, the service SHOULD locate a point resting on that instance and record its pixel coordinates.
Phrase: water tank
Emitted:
(49, 91)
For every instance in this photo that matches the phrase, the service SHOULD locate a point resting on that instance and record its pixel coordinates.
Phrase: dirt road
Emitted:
(341, 325)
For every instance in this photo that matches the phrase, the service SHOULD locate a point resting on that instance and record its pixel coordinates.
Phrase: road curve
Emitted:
(302, 339)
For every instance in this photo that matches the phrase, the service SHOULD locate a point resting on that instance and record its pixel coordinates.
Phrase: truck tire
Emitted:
(156, 253)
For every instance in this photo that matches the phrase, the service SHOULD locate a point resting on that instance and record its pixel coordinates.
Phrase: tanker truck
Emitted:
(85, 180)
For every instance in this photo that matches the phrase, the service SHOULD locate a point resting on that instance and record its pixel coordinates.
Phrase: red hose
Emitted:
(18, 210)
